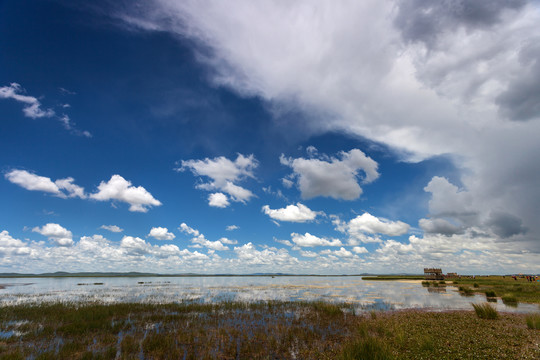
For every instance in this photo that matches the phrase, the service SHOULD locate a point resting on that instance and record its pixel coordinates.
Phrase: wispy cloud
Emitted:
(32, 106)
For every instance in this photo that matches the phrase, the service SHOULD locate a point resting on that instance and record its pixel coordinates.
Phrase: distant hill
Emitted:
(143, 274)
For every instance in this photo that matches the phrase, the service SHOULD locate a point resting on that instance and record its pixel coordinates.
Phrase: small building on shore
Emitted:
(433, 274)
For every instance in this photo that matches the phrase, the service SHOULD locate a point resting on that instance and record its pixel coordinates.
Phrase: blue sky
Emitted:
(176, 137)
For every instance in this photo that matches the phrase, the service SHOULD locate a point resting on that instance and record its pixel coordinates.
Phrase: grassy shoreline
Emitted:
(505, 287)
(262, 330)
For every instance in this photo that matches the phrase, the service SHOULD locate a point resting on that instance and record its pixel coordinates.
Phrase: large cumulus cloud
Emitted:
(425, 78)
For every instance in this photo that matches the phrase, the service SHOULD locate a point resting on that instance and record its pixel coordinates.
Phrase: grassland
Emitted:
(265, 330)
(508, 289)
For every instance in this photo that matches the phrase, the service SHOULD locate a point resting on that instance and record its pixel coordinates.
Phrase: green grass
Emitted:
(521, 289)
(490, 294)
(369, 348)
(533, 321)
(261, 330)
(509, 300)
(465, 290)
(485, 311)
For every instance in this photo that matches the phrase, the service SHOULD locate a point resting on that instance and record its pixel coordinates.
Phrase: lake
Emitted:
(366, 295)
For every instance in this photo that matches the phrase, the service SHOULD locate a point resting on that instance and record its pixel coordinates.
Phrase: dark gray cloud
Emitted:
(505, 225)
(439, 226)
(521, 100)
(425, 20)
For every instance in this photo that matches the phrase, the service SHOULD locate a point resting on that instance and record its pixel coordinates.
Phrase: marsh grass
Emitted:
(509, 300)
(368, 348)
(533, 321)
(490, 294)
(521, 289)
(466, 291)
(485, 311)
(261, 330)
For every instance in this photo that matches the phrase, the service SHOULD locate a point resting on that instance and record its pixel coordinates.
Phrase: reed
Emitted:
(485, 311)
(533, 321)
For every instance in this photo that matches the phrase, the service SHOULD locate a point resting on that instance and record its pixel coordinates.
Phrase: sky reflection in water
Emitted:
(367, 295)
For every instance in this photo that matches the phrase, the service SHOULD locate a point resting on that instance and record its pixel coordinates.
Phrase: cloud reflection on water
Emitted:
(365, 295)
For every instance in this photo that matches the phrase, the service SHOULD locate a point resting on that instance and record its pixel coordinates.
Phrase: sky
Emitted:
(329, 137)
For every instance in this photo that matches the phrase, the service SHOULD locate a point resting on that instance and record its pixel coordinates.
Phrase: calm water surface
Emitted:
(366, 295)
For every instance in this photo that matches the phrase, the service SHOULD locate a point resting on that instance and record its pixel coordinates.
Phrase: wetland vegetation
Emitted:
(510, 290)
(258, 330)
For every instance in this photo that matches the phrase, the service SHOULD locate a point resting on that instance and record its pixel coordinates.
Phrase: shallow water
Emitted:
(366, 295)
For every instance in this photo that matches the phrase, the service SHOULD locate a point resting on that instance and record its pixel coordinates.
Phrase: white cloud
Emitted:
(308, 240)
(342, 253)
(188, 230)
(464, 76)
(199, 239)
(225, 240)
(32, 107)
(56, 233)
(11, 246)
(367, 223)
(218, 200)
(134, 246)
(112, 228)
(454, 253)
(360, 250)
(71, 189)
(213, 245)
(308, 254)
(293, 213)
(32, 182)
(224, 173)
(68, 125)
(366, 227)
(284, 242)
(287, 183)
(336, 178)
(118, 188)
(249, 255)
(161, 233)
(447, 199)
(232, 227)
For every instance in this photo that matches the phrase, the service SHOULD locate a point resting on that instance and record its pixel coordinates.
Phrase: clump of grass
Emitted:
(466, 290)
(476, 285)
(426, 343)
(485, 311)
(426, 283)
(442, 282)
(327, 308)
(490, 294)
(533, 321)
(368, 348)
(509, 300)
